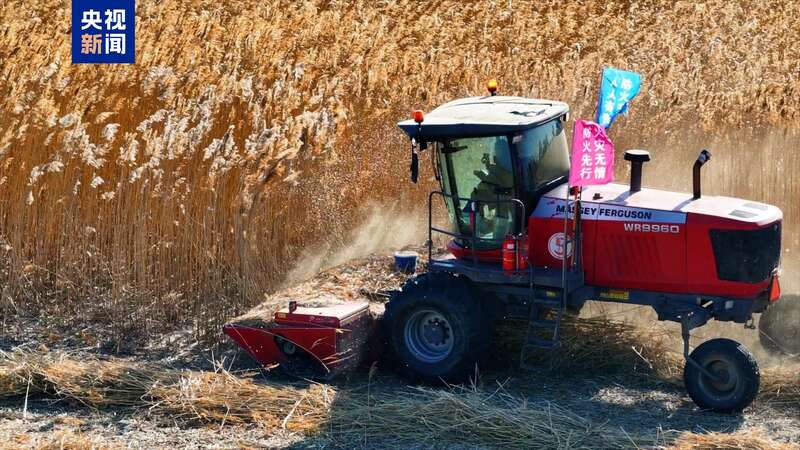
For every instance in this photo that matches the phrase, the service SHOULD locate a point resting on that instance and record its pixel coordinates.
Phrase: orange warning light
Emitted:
(491, 86)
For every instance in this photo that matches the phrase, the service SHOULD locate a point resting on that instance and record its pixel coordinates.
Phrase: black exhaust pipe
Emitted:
(702, 158)
(637, 159)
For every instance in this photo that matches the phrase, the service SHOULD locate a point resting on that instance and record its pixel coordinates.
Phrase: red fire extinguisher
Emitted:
(522, 252)
(509, 253)
(515, 253)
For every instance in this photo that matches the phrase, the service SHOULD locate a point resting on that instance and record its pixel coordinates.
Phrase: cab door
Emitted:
(477, 176)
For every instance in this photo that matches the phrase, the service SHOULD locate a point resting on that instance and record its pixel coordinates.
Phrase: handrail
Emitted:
(474, 205)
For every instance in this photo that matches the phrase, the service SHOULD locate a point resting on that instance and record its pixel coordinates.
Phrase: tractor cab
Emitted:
(495, 157)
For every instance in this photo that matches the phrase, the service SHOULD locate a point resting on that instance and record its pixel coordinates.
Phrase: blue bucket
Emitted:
(405, 261)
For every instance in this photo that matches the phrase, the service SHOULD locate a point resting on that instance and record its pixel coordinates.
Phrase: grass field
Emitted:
(249, 135)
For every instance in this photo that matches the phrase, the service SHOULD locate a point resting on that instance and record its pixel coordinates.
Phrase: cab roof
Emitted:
(483, 116)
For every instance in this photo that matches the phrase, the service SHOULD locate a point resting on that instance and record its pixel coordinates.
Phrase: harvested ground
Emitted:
(250, 134)
(613, 385)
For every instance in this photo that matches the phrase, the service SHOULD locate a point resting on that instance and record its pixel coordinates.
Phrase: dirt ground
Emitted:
(638, 405)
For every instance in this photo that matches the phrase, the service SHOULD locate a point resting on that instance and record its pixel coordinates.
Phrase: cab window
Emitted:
(544, 157)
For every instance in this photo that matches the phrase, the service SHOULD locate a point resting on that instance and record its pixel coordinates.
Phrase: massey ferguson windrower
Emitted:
(523, 244)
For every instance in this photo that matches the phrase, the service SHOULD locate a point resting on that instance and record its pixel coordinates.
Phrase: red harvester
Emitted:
(524, 245)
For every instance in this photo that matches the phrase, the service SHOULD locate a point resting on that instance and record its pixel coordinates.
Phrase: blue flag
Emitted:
(617, 88)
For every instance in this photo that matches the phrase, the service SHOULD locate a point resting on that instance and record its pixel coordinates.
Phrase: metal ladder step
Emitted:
(545, 323)
(542, 333)
(543, 344)
(550, 303)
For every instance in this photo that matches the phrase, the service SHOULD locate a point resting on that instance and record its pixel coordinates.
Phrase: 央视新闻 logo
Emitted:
(103, 31)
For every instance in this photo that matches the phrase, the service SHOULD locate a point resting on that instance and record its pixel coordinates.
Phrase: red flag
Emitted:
(592, 155)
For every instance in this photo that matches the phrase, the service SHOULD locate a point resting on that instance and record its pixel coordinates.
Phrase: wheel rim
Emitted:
(428, 336)
(285, 345)
(727, 378)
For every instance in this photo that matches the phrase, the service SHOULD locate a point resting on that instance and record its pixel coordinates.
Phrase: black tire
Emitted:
(779, 326)
(737, 366)
(444, 304)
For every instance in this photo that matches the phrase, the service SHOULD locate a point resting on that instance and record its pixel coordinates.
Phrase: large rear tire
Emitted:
(779, 326)
(738, 374)
(435, 329)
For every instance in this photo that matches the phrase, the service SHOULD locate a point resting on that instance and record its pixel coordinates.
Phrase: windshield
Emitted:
(544, 157)
(479, 170)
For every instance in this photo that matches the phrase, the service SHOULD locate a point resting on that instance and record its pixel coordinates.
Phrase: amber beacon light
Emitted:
(491, 86)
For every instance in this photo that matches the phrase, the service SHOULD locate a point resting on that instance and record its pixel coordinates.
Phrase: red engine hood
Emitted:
(656, 240)
(670, 207)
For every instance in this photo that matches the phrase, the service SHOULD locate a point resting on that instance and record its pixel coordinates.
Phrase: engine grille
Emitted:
(747, 256)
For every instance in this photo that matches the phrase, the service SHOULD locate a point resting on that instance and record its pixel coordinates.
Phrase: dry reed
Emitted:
(780, 386)
(364, 414)
(598, 346)
(59, 440)
(185, 396)
(751, 440)
(182, 188)
(483, 418)
(401, 416)
(603, 347)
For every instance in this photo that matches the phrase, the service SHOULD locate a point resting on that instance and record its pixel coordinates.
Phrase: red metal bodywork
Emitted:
(651, 240)
(332, 336)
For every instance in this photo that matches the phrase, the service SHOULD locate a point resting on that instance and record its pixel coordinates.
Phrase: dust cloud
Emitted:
(385, 228)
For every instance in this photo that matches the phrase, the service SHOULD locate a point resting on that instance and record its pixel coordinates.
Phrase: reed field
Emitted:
(183, 188)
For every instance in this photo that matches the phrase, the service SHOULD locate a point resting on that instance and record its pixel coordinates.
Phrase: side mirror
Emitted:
(414, 166)
(416, 146)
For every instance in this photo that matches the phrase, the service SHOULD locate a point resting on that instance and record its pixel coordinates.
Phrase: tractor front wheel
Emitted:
(736, 377)
(435, 329)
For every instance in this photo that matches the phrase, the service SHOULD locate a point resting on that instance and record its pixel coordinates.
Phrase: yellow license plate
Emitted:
(615, 295)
